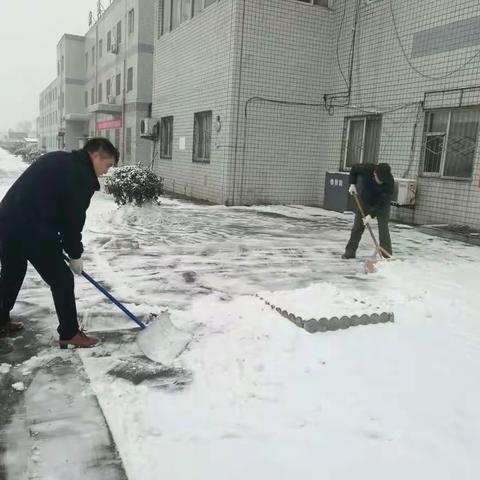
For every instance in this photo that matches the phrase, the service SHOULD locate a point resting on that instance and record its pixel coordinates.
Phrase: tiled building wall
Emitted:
(283, 71)
(193, 73)
(403, 49)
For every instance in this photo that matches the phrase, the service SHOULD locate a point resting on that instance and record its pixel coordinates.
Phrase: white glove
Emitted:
(367, 220)
(76, 265)
(353, 189)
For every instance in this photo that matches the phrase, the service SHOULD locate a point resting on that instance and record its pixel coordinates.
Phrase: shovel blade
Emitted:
(371, 265)
(162, 341)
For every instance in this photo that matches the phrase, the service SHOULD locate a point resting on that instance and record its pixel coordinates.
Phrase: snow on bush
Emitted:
(29, 155)
(134, 184)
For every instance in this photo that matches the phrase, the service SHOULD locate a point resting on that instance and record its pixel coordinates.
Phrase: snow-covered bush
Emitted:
(20, 152)
(134, 184)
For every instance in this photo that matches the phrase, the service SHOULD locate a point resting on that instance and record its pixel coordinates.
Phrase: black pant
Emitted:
(383, 216)
(47, 258)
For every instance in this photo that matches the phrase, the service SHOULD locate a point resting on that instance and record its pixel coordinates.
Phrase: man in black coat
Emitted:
(41, 216)
(376, 192)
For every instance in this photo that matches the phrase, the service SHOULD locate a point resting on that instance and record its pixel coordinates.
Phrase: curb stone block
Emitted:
(311, 326)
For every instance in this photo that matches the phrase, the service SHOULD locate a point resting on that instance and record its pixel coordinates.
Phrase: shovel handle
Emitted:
(111, 298)
(362, 212)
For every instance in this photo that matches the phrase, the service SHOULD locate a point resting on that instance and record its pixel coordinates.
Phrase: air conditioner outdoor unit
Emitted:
(114, 48)
(149, 128)
(111, 99)
(405, 192)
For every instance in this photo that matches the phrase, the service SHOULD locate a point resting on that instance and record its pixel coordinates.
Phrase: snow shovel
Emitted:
(371, 262)
(160, 340)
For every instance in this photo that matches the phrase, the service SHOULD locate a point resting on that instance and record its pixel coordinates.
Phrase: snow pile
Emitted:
(5, 368)
(19, 386)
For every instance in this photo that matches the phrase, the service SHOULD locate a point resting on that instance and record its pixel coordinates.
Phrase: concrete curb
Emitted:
(331, 324)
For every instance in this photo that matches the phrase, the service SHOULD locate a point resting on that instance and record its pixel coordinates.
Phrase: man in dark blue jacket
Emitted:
(376, 190)
(41, 216)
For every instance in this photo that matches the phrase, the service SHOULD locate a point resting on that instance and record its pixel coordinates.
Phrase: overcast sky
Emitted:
(29, 33)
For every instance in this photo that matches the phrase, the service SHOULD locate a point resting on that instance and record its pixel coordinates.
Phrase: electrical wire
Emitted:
(338, 42)
(412, 66)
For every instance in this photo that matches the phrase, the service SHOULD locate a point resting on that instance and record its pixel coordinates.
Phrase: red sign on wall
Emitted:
(106, 124)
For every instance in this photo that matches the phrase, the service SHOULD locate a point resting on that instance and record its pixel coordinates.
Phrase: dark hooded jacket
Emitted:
(375, 197)
(48, 202)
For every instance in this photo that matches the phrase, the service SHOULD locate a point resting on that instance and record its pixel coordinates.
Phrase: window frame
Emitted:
(130, 79)
(128, 141)
(166, 153)
(118, 33)
(446, 137)
(131, 21)
(109, 41)
(316, 3)
(197, 118)
(118, 84)
(346, 139)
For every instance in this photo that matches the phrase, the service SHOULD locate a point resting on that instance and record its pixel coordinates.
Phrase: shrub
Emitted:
(134, 184)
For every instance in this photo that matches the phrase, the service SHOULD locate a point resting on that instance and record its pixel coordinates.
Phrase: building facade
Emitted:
(118, 61)
(49, 118)
(104, 82)
(257, 101)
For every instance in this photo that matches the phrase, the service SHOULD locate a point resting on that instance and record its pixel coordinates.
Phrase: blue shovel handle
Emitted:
(111, 298)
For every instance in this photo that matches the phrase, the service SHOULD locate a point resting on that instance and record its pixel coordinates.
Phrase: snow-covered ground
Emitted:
(256, 397)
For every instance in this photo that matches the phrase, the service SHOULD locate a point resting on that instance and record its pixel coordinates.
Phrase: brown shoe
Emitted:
(80, 340)
(10, 327)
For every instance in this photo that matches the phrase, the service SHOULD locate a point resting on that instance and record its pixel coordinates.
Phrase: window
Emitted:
(117, 138)
(131, 21)
(118, 82)
(86, 99)
(167, 9)
(100, 48)
(100, 92)
(176, 11)
(160, 18)
(128, 141)
(93, 55)
(107, 134)
(58, 68)
(166, 137)
(63, 63)
(109, 87)
(202, 134)
(109, 41)
(92, 96)
(186, 10)
(130, 79)
(86, 60)
(322, 3)
(450, 142)
(118, 36)
(362, 140)
(199, 5)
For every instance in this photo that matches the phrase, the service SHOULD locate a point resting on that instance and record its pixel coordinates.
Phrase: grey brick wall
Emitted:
(264, 67)
(383, 80)
(193, 73)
